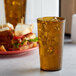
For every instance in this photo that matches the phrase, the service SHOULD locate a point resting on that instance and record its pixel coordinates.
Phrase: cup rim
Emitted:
(41, 18)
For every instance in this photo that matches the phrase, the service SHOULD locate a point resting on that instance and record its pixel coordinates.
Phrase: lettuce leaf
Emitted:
(23, 42)
(33, 40)
(16, 44)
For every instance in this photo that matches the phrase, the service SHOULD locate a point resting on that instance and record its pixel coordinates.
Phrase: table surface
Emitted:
(28, 65)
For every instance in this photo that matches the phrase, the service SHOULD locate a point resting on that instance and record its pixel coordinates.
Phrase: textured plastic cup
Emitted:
(51, 38)
(15, 10)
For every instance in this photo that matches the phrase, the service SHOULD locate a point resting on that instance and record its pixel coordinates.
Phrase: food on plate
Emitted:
(6, 36)
(2, 48)
(20, 38)
(24, 38)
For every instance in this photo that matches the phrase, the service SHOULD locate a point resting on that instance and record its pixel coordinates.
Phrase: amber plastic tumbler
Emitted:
(15, 10)
(51, 38)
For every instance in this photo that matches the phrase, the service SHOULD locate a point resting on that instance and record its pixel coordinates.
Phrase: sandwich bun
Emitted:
(23, 29)
(6, 26)
(6, 36)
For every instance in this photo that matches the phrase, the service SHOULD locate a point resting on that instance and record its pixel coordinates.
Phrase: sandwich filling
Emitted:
(25, 40)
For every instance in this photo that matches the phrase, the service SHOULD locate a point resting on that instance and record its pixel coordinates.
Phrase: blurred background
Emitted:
(34, 10)
(41, 8)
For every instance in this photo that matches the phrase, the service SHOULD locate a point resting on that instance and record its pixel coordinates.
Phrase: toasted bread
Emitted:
(23, 29)
(5, 27)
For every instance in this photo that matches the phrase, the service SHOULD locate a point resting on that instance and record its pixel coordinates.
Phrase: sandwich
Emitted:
(6, 36)
(23, 37)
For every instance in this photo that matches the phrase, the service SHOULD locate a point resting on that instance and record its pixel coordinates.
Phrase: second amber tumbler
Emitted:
(50, 34)
(15, 10)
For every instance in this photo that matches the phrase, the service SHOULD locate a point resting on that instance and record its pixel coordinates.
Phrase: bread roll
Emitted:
(23, 29)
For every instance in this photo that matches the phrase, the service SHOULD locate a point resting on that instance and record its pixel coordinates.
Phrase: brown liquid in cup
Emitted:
(50, 34)
(15, 10)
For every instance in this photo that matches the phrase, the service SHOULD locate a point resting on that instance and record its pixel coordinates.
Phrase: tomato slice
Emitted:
(18, 37)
